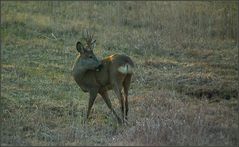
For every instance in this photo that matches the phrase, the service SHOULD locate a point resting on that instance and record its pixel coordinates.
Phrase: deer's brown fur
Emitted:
(97, 77)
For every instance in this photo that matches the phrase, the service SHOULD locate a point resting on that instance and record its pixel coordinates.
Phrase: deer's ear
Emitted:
(80, 47)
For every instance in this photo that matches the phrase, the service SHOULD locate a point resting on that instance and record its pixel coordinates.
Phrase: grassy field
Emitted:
(185, 85)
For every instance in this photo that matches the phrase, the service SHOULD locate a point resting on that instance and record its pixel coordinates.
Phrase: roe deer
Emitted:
(94, 76)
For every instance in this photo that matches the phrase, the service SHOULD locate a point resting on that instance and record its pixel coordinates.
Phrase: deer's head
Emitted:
(87, 56)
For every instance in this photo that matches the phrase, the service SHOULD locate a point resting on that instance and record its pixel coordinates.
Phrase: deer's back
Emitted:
(110, 69)
(104, 78)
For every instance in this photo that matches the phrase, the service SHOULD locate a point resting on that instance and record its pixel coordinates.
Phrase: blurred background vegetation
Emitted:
(186, 55)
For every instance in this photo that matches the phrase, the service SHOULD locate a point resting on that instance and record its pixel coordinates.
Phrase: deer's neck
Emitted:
(79, 73)
(78, 70)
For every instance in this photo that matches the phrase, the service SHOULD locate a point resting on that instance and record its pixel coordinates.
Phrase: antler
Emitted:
(88, 37)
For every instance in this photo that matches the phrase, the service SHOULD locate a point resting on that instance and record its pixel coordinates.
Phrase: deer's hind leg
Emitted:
(126, 85)
(105, 96)
(117, 87)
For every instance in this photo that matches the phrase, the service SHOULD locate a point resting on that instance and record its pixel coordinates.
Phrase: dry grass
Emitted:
(167, 120)
(184, 90)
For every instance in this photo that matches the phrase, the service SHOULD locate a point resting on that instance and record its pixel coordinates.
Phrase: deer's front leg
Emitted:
(93, 94)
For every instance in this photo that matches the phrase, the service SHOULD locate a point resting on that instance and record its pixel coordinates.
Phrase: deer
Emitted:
(96, 76)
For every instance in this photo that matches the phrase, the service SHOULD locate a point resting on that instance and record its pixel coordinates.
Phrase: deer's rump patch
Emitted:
(126, 69)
